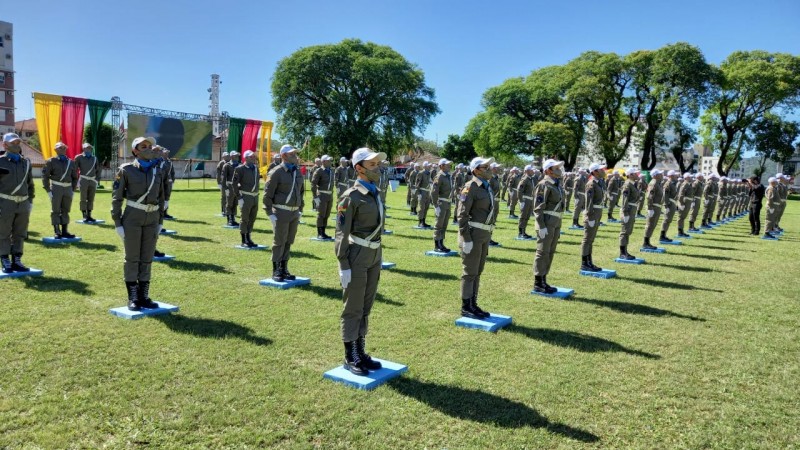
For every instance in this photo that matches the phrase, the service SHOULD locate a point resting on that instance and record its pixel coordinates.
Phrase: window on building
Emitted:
(2, 78)
(2, 115)
(2, 96)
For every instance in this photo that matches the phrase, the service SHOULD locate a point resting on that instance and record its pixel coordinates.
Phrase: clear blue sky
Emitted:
(161, 53)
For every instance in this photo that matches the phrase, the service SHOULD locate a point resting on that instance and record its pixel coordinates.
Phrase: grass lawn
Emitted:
(698, 348)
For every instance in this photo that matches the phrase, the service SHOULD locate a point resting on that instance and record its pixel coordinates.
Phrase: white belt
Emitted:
(698, 198)
(251, 194)
(527, 197)
(580, 193)
(783, 201)
(482, 226)
(554, 214)
(325, 192)
(448, 201)
(287, 208)
(364, 242)
(597, 206)
(14, 198)
(229, 183)
(674, 202)
(633, 204)
(58, 183)
(342, 183)
(142, 206)
(657, 205)
(89, 178)
(423, 189)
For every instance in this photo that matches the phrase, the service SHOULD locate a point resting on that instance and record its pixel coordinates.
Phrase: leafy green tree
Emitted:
(773, 138)
(746, 86)
(104, 142)
(458, 149)
(352, 94)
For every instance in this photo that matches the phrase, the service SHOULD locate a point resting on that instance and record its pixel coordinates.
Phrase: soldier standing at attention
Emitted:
(440, 197)
(783, 190)
(227, 179)
(513, 196)
(579, 186)
(655, 202)
(504, 175)
(88, 171)
(569, 187)
(141, 186)
(614, 186)
(412, 184)
(422, 183)
(494, 183)
(283, 202)
(16, 202)
(276, 161)
(685, 199)
(340, 176)
(595, 193)
(459, 179)
(477, 203)
(548, 207)
(322, 189)
(697, 199)
(670, 203)
(408, 175)
(223, 204)
(60, 180)
(773, 203)
(169, 178)
(525, 192)
(710, 192)
(642, 186)
(383, 186)
(630, 206)
(245, 187)
(359, 226)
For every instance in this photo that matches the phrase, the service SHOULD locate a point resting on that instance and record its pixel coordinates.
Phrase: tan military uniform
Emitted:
(710, 192)
(340, 178)
(595, 193)
(60, 177)
(169, 177)
(409, 176)
(283, 197)
(359, 226)
(569, 187)
(223, 203)
(641, 184)
(614, 186)
(322, 189)
(629, 208)
(773, 197)
(685, 199)
(16, 199)
(655, 202)
(143, 193)
(525, 191)
(440, 196)
(88, 171)
(670, 204)
(697, 200)
(231, 202)
(245, 185)
(783, 196)
(580, 197)
(548, 207)
(494, 183)
(475, 224)
(422, 184)
(513, 195)
(459, 180)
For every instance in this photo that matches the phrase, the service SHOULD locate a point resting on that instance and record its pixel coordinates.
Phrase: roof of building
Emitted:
(25, 125)
(37, 160)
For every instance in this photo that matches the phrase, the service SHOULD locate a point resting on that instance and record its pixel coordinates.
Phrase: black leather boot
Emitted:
(550, 289)
(538, 285)
(66, 234)
(585, 264)
(16, 263)
(664, 237)
(277, 273)
(284, 265)
(352, 360)
(57, 232)
(249, 241)
(244, 239)
(323, 234)
(441, 244)
(648, 245)
(144, 296)
(366, 361)
(594, 267)
(158, 254)
(5, 262)
(133, 295)
(477, 309)
(466, 309)
(89, 217)
(85, 219)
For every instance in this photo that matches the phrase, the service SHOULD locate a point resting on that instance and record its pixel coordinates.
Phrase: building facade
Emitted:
(6, 78)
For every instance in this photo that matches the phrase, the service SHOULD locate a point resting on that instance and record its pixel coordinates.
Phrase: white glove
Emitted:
(466, 247)
(50, 194)
(542, 233)
(274, 219)
(121, 232)
(316, 202)
(707, 202)
(436, 211)
(771, 210)
(219, 186)
(590, 223)
(521, 206)
(624, 219)
(299, 214)
(158, 229)
(30, 206)
(680, 206)
(692, 205)
(166, 205)
(650, 212)
(241, 203)
(345, 276)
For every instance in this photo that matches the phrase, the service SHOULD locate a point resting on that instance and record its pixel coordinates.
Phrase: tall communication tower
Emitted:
(214, 99)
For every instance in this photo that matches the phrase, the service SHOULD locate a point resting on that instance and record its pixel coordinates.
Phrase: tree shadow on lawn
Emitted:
(707, 238)
(633, 308)
(416, 236)
(180, 237)
(336, 294)
(194, 222)
(195, 266)
(714, 247)
(712, 257)
(210, 328)
(305, 255)
(506, 260)
(96, 246)
(55, 284)
(581, 342)
(689, 268)
(425, 275)
(482, 407)
(668, 284)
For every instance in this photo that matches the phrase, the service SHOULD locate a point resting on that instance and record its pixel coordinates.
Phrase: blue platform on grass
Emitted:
(435, 253)
(524, 239)
(655, 250)
(170, 218)
(52, 240)
(231, 227)
(613, 221)
(388, 265)
(696, 231)
(513, 218)
(370, 381)
(125, 313)
(96, 222)
(605, 273)
(629, 261)
(573, 227)
(322, 240)
(769, 238)
(417, 227)
(492, 323)
(257, 247)
(299, 281)
(171, 232)
(31, 273)
(496, 245)
(672, 242)
(163, 258)
(560, 293)
(388, 232)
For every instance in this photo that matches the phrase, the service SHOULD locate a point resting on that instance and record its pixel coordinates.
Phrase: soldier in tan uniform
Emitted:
(494, 184)
(642, 186)
(629, 208)
(655, 203)
(283, 202)
(569, 188)
(441, 188)
(245, 187)
(593, 208)
(359, 226)
(88, 171)
(383, 184)
(276, 161)
(227, 181)
(579, 186)
(412, 185)
(710, 192)
(16, 202)
(784, 181)
(422, 185)
(168, 168)
(140, 184)
(513, 196)
(223, 203)
(614, 185)
(459, 179)
(697, 200)
(322, 191)
(670, 203)
(685, 200)
(476, 217)
(340, 177)
(60, 180)
(548, 207)
(773, 197)
(525, 191)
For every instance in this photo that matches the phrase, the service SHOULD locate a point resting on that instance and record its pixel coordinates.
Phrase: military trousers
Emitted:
(283, 234)
(669, 213)
(141, 234)
(88, 191)
(60, 204)
(590, 231)
(546, 247)
(652, 221)
(249, 213)
(424, 202)
(324, 209)
(223, 202)
(683, 213)
(580, 203)
(695, 210)
(568, 198)
(525, 211)
(472, 263)
(442, 220)
(14, 218)
(612, 203)
(232, 201)
(708, 210)
(512, 201)
(626, 228)
(359, 295)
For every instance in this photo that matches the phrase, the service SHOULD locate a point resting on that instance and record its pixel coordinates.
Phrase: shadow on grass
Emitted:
(668, 284)
(55, 284)
(581, 342)
(195, 266)
(712, 257)
(506, 260)
(688, 268)
(425, 275)
(336, 294)
(706, 238)
(427, 237)
(194, 222)
(482, 407)
(210, 328)
(714, 247)
(180, 237)
(304, 254)
(633, 308)
(96, 246)
(33, 233)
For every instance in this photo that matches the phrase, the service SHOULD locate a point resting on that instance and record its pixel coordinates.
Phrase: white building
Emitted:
(708, 164)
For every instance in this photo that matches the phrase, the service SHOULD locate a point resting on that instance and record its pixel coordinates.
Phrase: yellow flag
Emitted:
(265, 154)
(48, 121)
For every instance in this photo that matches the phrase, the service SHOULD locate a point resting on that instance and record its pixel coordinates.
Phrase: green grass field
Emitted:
(699, 348)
